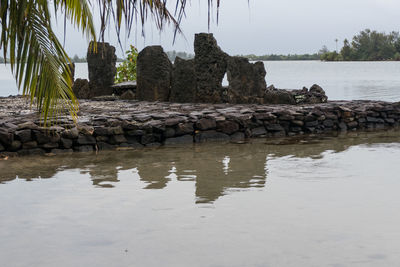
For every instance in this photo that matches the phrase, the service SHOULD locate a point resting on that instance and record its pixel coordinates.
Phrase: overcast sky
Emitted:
(264, 26)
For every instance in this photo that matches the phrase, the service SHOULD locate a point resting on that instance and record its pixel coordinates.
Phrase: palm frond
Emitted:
(38, 60)
(128, 12)
(79, 13)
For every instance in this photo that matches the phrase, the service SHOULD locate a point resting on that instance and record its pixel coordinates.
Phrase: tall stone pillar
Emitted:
(154, 74)
(210, 65)
(102, 68)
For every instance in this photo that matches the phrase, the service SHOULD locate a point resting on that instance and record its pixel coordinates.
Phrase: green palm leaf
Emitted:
(37, 59)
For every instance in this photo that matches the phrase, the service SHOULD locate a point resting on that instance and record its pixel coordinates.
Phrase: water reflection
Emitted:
(214, 168)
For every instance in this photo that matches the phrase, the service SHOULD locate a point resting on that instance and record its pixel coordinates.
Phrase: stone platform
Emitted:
(122, 124)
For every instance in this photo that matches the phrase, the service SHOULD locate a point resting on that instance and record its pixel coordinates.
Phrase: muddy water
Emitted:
(309, 202)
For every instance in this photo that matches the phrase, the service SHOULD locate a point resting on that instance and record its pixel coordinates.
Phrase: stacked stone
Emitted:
(199, 80)
(133, 125)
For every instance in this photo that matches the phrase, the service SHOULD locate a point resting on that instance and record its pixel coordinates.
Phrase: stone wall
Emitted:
(200, 80)
(132, 125)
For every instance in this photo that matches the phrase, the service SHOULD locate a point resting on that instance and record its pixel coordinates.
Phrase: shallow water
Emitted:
(341, 80)
(307, 202)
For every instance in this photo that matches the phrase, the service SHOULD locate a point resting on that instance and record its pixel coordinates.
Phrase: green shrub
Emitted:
(126, 71)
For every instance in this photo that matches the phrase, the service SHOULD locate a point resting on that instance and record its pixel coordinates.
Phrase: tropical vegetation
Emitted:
(38, 59)
(314, 56)
(126, 71)
(367, 46)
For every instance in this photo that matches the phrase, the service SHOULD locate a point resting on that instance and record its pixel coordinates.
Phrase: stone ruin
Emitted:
(197, 80)
(102, 70)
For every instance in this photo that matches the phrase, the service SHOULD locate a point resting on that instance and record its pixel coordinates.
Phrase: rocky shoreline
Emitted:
(120, 124)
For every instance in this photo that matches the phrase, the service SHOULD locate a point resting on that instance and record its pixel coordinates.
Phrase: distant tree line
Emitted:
(77, 59)
(173, 54)
(366, 46)
(283, 57)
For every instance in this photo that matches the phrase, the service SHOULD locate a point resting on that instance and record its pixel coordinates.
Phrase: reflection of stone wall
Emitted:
(206, 165)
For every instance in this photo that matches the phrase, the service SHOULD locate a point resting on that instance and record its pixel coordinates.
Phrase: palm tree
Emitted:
(37, 58)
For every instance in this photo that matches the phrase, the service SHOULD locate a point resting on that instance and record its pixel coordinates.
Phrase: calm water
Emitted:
(315, 202)
(341, 80)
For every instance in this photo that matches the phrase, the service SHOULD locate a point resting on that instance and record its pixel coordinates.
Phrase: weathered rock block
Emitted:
(246, 78)
(274, 96)
(121, 88)
(128, 95)
(227, 127)
(81, 89)
(24, 135)
(313, 96)
(6, 138)
(210, 65)
(154, 74)
(102, 68)
(183, 81)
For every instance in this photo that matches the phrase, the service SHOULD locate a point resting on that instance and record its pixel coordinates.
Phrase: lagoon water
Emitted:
(341, 80)
(313, 202)
(329, 201)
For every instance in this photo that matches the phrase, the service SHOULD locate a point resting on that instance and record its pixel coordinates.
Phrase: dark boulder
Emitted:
(15, 145)
(24, 135)
(154, 71)
(318, 94)
(183, 88)
(102, 68)
(278, 96)
(86, 140)
(313, 96)
(184, 128)
(247, 79)
(210, 65)
(120, 88)
(128, 95)
(46, 137)
(6, 138)
(81, 89)
(66, 143)
(206, 124)
(227, 127)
